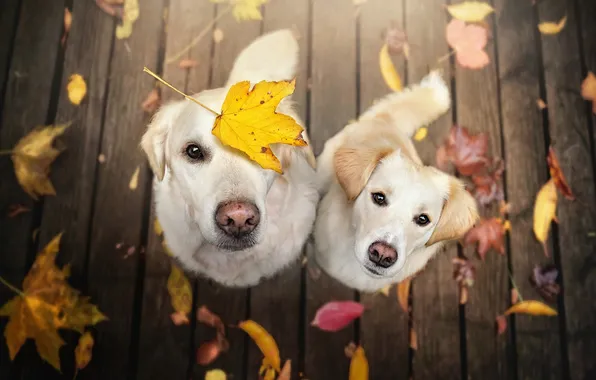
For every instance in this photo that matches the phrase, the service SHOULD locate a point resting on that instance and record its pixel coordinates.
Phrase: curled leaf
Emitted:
(335, 315)
(388, 71)
(180, 291)
(531, 308)
(403, 292)
(264, 341)
(545, 209)
(589, 89)
(470, 11)
(359, 365)
(206, 316)
(76, 88)
(557, 175)
(552, 27)
(84, 350)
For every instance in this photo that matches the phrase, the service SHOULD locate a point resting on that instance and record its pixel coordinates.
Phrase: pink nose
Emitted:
(382, 254)
(237, 219)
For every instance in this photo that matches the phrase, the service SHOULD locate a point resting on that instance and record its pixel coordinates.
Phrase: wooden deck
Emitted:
(338, 78)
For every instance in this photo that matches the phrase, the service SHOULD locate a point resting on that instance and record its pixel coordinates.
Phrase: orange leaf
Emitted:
(359, 365)
(264, 341)
(403, 291)
(531, 308)
(557, 175)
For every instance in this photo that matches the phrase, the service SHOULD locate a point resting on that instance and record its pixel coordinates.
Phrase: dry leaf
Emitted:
(557, 175)
(46, 304)
(206, 316)
(501, 321)
(249, 123)
(67, 25)
(403, 292)
(134, 179)
(544, 281)
(336, 315)
(468, 41)
(286, 371)
(487, 187)
(545, 210)
(413, 339)
(32, 157)
(421, 134)
(218, 35)
(76, 88)
(215, 374)
(388, 71)
(466, 151)
(589, 89)
(84, 350)
(359, 365)
(396, 40)
(129, 16)
(208, 352)
(552, 27)
(541, 104)
(470, 11)
(187, 63)
(531, 308)
(180, 291)
(151, 102)
(488, 234)
(264, 341)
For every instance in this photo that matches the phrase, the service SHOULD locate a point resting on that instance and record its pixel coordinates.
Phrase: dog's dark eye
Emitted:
(422, 220)
(379, 199)
(194, 152)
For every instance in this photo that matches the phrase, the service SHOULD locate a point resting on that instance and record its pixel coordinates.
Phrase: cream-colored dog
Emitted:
(384, 214)
(223, 216)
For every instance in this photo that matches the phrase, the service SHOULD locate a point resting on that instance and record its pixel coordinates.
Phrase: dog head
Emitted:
(398, 205)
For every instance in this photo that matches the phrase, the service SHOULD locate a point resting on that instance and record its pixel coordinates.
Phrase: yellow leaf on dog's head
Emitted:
(545, 209)
(388, 71)
(249, 123)
(180, 294)
(552, 27)
(470, 11)
(359, 365)
(76, 88)
(531, 308)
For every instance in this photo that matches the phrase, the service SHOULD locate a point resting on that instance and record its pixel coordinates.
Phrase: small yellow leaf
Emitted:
(76, 88)
(215, 374)
(385, 291)
(403, 292)
(552, 27)
(134, 179)
(157, 227)
(421, 134)
(84, 350)
(531, 308)
(545, 209)
(129, 16)
(249, 123)
(470, 11)
(589, 89)
(388, 71)
(264, 341)
(359, 365)
(180, 291)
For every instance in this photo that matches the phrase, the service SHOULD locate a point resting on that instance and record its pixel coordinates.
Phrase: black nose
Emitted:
(382, 254)
(237, 219)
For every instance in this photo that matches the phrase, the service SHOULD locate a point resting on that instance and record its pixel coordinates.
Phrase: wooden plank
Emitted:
(434, 294)
(9, 16)
(166, 350)
(568, 127)
(332, 105)
(537, 339)
(118, 210)
(230, 304)
(282, 294)
(27, 100)
(384, 326)
(588, 44)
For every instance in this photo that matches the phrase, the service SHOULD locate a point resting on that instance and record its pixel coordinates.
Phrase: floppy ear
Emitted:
(458, 216)
(154, 140)
(355, 164)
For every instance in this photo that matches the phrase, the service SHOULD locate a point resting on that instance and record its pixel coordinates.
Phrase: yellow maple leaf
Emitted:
(32, 157)
(245, 9)
(76, 88)
(180, 294)
(84, 350)
(248, 121)
(46, 304)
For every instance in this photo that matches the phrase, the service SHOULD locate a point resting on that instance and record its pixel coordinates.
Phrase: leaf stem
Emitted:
(199, 36)
(446, 56)
(146, 70)
(6, 152)
(515, 287)
(11, 287)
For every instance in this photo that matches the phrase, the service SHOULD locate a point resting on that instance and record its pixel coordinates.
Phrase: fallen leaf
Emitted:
(589, 89)
(544, 280)
(32, 157)
(487, 187)
(180, 291)
(218, 35)
(466, 151)
(84, 350)
(67, 25)
(403, 292)
(545, 210)
(396, 40)
(488, 234)
(388, 71)
(552, 27)
(501, 322)
(531, 308)
(179, 318)
(286, 371)
(359, 365)
(15, 210)
(208, 352)
(541, 104)
(215, 374)
(264, 341)
(350, 349)
(76, 88)
(557, 175)
(335, 315)
(468, 41)
(413, 339)
(421, 134)
(470, 11)
(206, 316)
(187, 63)
(134, 179)
(152, 101)
(157, 227)
(129, 16)
(249, 123)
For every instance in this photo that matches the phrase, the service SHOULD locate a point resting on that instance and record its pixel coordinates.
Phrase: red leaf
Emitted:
(466, 151)
(557, 175)
(488, 234)
(468, 41)
(334, 316)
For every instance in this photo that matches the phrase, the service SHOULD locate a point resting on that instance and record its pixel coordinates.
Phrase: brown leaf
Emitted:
(396, 39)
(466, 151)
(501, 322)
(206, 316)
(589, 89)
(403, 292)
(187, 63)
(488, 234)
(544, 280)
(208, 352)
(557, 175)
(152, 101)
(487, 186)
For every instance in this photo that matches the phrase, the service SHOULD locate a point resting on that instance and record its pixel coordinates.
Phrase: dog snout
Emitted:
(237, 219)
(382, 254)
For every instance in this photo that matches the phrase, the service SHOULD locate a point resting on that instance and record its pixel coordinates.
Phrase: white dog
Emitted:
(223, 215)
(384, 214)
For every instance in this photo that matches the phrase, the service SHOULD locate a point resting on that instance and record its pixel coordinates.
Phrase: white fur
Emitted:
(187, 196)
(344, 230)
